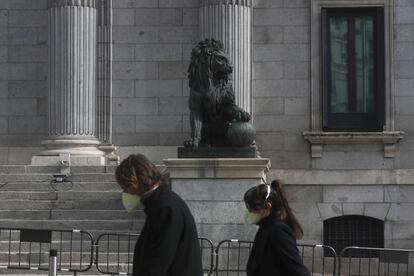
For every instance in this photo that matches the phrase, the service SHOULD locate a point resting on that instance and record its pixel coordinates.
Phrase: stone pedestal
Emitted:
(214, 189)
(72, 83)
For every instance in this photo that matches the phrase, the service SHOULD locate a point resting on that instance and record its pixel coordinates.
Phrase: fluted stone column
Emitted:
(72, 79)
(230, 22)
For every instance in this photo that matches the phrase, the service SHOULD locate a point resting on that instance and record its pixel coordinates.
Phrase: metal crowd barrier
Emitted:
(232, 256)
(73, 251)
(28, 249)
(114, 253)
(367, 261)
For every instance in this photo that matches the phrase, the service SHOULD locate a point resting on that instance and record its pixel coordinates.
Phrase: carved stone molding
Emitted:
(66, 3)
(387, 138)
(248, 3)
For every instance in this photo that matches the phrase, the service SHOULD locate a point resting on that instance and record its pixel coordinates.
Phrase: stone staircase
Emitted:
(89, 199)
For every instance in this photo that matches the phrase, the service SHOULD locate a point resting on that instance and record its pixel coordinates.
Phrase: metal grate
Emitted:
(354, 230)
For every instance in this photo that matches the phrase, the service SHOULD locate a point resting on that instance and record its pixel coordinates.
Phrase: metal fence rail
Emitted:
(207, 255)
(28, 249)
(315, 258)
(358, 261)
(232, 256)
(114, 253)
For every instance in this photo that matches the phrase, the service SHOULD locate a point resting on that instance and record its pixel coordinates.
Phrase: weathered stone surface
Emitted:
(267, 70)
(212, 189)
(281, 17)
(360, 194)
(330, 210)
(377, 210)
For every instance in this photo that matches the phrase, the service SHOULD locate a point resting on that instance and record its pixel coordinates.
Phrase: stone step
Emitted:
(59, 195)
(47, 177)
(64, 186)
(28, 195)
(86, 225)
(83, 204)
(13, 235)
(111, 247)
(24, 169)
(96, 214)
(69, 214)
(85, 195)
(15, 272)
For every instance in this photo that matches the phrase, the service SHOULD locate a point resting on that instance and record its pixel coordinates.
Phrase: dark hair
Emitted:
(280, 206)
(135, 170)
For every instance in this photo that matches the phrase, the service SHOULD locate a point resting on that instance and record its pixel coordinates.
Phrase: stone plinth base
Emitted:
(219, 152)
(214, 189)
(39, 160)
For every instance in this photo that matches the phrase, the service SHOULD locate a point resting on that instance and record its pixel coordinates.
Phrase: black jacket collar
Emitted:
(269, 220)
(150, 201)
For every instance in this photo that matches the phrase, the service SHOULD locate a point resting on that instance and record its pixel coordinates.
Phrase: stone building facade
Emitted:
(328, 173)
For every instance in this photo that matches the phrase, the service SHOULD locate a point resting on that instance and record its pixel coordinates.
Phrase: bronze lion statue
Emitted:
(212, 101)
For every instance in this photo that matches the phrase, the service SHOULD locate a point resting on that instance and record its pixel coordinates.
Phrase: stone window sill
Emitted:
(388, 138)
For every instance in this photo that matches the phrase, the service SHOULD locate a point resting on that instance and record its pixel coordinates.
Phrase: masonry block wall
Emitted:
(281, 80)
(404, 79)
(23, 72)
(152, 47)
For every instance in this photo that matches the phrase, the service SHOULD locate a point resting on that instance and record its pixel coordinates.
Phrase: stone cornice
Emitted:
(70, 3)
(247, 3)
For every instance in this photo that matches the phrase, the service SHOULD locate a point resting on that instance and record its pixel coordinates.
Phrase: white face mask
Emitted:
(131, 202)
(251, 218)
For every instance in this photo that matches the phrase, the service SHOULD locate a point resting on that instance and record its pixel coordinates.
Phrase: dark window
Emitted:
(353, 69)
(340, 232)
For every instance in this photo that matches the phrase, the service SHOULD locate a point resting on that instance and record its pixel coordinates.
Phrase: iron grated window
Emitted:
(353, 230)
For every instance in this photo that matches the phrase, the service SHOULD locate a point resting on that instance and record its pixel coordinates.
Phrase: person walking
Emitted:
(168, 244)
(274, 250)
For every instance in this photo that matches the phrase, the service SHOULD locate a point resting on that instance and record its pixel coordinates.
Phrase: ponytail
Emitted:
(282, 210)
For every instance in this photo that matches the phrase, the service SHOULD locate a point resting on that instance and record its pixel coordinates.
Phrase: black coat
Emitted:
(168, 244)
(274, 252)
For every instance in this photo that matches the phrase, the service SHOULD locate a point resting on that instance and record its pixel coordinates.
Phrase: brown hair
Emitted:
(280, 206)
(136, 170)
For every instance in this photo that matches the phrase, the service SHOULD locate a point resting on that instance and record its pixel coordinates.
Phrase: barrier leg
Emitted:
(53, 262)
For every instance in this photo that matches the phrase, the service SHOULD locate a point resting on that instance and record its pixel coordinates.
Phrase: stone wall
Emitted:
(23, 72)
(391, 203)
(404, 79)
(152, 46)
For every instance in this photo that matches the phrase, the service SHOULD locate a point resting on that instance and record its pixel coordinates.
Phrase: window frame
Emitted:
(317, 138)
(353, 121)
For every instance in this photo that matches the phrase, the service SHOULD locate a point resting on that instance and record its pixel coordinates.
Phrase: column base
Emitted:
(76, 160)
(81, 152)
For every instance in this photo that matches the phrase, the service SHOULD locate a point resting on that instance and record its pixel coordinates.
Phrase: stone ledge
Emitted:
(387, 138)
(255, 168)
(344, 177)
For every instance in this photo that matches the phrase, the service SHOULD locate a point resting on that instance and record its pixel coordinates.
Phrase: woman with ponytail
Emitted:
(274, 250)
